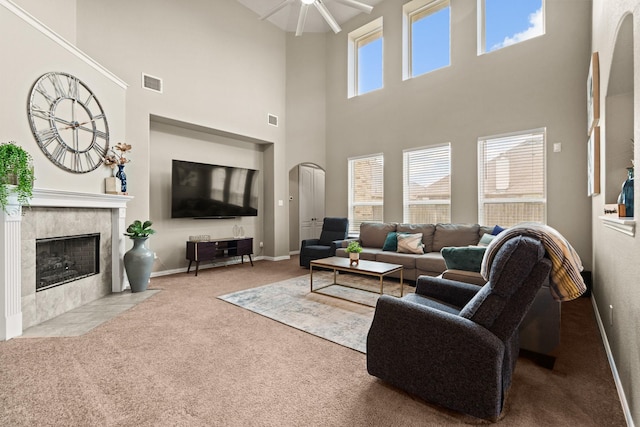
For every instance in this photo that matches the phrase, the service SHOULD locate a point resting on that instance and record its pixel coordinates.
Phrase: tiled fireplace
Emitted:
(94, 223)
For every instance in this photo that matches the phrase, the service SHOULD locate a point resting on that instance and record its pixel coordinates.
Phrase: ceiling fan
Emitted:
(319, 4)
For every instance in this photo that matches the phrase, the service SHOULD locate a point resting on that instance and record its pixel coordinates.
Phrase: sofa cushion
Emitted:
(408, 261)
(391, 242)
(455, 235)
(373, 234)
(486, 239)
(467, 258)
(410, 243)
(430, 262)
(427, 231)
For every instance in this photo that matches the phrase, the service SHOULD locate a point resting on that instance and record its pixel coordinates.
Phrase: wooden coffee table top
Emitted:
(363, 266)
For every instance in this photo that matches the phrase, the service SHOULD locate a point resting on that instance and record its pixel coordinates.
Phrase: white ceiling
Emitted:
(287, 18)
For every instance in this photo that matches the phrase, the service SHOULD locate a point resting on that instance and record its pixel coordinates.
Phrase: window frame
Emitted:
(406, 181)
(371, 30)
(351, 204)
(409, 10)
(506, 200)
(482, 30)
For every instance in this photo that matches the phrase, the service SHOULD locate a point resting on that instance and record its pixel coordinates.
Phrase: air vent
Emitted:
(151, 83)
(273, 120)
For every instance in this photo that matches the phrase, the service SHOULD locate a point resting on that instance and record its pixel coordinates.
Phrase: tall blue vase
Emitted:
(138, 262)
(123, 178)
(626, 195)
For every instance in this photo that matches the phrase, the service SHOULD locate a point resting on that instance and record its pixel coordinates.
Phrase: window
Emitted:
(427, 185)
(502, 23)
(365, 59)
(512, 179)
(366, 194)
(426, 36)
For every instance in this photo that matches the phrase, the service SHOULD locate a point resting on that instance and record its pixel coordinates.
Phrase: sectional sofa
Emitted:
(376, 240)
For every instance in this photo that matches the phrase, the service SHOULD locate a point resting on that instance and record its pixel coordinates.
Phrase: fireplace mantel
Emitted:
(10, 253)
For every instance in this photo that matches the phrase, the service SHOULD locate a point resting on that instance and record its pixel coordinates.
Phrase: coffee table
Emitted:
(364, 267)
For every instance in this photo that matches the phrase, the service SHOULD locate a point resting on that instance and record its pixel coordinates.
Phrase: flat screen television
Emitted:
(200, 190)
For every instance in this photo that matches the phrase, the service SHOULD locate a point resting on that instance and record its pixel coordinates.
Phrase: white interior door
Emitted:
(311, 196)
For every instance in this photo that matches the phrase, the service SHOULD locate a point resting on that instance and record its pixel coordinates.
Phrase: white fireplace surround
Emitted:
(10, 238)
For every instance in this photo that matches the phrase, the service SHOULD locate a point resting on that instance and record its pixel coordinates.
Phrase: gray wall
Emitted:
(538, 83)
(222, 69)
(615, 255)
(27, 54)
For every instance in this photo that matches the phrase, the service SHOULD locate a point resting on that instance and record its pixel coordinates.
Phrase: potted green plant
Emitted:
(16, 174)
(138, 261)
(354, 249)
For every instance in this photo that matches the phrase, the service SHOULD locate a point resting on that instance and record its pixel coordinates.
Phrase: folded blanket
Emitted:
(565, 280)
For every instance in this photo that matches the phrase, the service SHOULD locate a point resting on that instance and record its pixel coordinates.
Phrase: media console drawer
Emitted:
(220, 249)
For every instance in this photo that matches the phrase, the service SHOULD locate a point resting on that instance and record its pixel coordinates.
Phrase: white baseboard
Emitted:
(612, 364)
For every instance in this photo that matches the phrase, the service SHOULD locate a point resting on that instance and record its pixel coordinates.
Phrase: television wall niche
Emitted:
(201, 190)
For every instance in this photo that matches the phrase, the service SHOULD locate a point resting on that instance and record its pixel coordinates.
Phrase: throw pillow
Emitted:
(497, 230)
(486, 239)
(468, 258)
(391, 242)
(410, 243)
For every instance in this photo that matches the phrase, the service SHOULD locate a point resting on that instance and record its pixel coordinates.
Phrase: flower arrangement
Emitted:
(117, 156)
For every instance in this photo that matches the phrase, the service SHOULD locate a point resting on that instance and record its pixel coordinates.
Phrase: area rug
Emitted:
(344, 320)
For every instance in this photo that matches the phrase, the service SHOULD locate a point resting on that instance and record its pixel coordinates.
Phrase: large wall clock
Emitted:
(68, 122)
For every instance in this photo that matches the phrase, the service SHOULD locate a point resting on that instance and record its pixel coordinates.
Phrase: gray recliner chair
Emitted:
(454, 344)
(334, 231)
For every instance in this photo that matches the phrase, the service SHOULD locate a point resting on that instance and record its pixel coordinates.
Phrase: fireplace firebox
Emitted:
(62, 260)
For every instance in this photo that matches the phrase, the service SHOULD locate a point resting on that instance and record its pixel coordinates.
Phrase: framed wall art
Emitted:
(593, 93)
(593, 162)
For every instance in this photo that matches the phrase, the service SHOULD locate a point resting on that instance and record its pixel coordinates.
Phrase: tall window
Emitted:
(505, 22)
(366, 193)
(512, 179)
(426, 36)
(427, 185)
(365, 59)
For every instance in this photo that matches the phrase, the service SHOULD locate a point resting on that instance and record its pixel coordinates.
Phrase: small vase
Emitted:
(123, 178)
(138, 262)
(626, 195)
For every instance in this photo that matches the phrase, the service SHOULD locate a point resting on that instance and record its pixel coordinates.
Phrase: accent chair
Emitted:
(455, 344)
(334, 231)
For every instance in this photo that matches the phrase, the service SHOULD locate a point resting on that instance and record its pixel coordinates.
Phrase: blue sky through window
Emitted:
(511, 21)
(370, 66)
(430, 48)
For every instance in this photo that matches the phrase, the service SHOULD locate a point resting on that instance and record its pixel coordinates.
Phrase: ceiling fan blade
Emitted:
(319, 4)
(356, 4)
(304, 8)
(276, 9)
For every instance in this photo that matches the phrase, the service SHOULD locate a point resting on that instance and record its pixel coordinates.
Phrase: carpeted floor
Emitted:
(187, 358)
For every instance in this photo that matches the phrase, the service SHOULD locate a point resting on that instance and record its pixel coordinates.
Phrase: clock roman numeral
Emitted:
(43, 91)
(91, 164)
(57, 85)
(102, 152)
(43, 114)
(73, 88)
(47, 135)
(89, 98)
(59, 153)
(101, 134)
